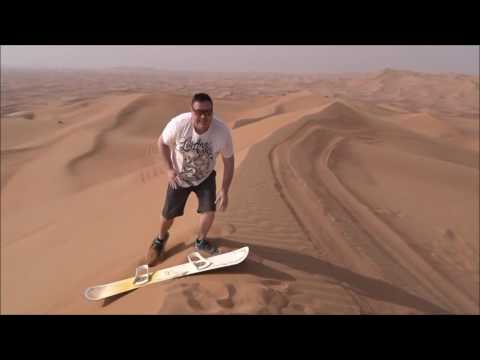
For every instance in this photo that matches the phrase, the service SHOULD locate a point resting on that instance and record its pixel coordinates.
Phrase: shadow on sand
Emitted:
(360, 284)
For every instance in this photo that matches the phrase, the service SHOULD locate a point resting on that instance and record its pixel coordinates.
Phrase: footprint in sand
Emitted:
(196, 298)
(151, 150)
(222, 230)
(228, 302)
(228, 229)
(451, 248)
(274, 301)
(298, 307)
(146, 175)
(285, 291)
(192, 294)
(275, 283)
(388, 212)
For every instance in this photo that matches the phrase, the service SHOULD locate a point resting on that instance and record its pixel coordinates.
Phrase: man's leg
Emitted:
(156, 250)
(174, 206)
(165, 225)
(206, 208)
(206, 221)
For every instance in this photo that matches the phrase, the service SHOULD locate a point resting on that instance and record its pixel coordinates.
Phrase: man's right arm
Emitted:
(165, 156)
(167, 163)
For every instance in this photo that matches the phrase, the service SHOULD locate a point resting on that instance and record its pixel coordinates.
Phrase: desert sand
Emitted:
(356, 193)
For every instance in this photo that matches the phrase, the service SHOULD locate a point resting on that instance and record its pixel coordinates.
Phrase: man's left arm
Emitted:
(228, 170)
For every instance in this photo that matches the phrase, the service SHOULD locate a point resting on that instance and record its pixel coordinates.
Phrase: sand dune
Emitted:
(273, 108)
(349, 205)
(443, 93)
(425, 124)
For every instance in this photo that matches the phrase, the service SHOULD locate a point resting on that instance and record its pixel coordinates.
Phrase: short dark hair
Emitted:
(201, 97)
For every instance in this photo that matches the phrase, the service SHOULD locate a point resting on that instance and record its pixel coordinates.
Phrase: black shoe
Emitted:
(156, 251)
(204, 245)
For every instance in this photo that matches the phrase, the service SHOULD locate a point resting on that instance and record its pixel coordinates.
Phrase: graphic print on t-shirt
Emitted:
(197, 158)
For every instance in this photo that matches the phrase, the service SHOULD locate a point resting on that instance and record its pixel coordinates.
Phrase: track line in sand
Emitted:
(393, 244)
(283, 189)
(307, 208)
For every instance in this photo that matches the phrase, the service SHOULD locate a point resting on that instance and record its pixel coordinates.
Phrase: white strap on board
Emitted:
(205, 262)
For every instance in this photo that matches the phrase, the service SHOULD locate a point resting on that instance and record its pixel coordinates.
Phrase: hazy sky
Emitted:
(295, 59)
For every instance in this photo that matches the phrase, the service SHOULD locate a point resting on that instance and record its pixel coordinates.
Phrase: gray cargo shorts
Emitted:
(176, 199)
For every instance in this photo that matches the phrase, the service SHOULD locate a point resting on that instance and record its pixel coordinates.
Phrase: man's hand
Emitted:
(172, 178)
(167, 164)
(222, 200)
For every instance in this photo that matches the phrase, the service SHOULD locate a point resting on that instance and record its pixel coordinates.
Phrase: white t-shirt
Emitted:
(193, 155)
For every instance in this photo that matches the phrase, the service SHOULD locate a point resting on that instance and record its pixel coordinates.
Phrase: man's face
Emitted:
(202, 114)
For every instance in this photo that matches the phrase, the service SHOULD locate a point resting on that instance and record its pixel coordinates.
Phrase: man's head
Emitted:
(202, 112)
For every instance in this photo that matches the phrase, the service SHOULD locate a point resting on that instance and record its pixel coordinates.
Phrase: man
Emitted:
(189, 146)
